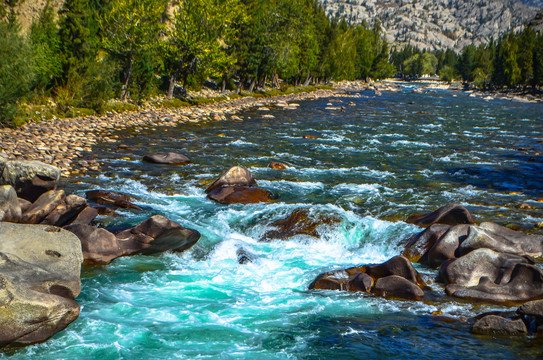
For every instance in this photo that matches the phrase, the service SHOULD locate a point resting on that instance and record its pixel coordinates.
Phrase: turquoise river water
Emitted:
(375, 162)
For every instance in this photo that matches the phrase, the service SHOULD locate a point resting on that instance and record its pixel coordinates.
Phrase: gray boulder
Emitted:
(10, 210)
(419, 244)
(395, 286)
(168, 158)
(39, 279)
(452, 214)
(498, 238)
(29, 178)
(498, 325)
(445, 248)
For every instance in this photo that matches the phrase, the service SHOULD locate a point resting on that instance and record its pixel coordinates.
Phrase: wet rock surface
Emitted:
(300, 222)
(168, 158)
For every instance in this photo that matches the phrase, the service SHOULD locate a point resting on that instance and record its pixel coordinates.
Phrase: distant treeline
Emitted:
(514, 60)
(95, 50)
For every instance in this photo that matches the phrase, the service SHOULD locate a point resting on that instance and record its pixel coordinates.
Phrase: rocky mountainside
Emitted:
(437, 24)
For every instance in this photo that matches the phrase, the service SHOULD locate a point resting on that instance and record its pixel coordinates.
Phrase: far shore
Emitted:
(62, 142)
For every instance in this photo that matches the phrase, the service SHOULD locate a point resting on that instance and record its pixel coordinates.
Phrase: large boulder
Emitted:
(235, 176)
(525, 283)
(395, 286)
(499, 325)
(170, 158)
(157, 234)
(482, 263)
(446, 247)
(43, 206)
(533, 309)
(419, 244)
(29, 178)
(10, 209)
(240, 195)
(66, 212)
(99, 246)
(40, 269)
(301, 221)
(498, 238)
(85, 217)
(111, 198)
(395, 278)
(452, 214)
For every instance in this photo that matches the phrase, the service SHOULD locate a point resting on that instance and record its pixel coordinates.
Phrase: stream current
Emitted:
(375, 161)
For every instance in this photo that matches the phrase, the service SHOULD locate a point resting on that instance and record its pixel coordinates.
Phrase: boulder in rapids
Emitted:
(446, 247)
(394, 286)
(43, 206)
(493, 324)
(419, 244)
(99, 246)
(277, 165)
(111, 198)
(40, 269)
(301, 221)
(498, 238)
(235, 176)
(170, 158)
(29, 178)
(452, 214)
(240, 195)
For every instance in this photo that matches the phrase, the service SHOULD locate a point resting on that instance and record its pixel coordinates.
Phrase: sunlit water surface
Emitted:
(376, 161)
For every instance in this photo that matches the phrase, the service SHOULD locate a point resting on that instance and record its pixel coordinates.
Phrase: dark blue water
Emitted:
(376, 161)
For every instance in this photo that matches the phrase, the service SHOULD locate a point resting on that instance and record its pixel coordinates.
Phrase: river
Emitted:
(375, 161)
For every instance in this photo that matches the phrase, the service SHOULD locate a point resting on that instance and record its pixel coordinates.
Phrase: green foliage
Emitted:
(16, 73)
(421, 64)
(447, 73)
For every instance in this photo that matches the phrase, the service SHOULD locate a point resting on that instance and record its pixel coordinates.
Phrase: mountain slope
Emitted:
(436, 24)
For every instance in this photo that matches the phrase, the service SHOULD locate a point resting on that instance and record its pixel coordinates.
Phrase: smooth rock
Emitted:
(45, 204)
(240, 195)
(111, 198)
(497, 325)
(99, 246)
(398, 265)
(157, 234)
(85, 217)
(40, 269)
(66, 211)
(301, 221)
(452, 214)
(29, 178)
(10, 210)
(446, 247)
(168, 158)
(532, 308)
(395, 286)
(420, 243)
(24, 204)
(235, 176)
(498, 238)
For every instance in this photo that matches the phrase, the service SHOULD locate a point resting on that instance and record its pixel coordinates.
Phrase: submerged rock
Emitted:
(168, 158)
(499, 325)
(29, 178)
(235, 176)
(240, 195)
(300, 222)
(39, 279)
(452, 214)
(111, 198)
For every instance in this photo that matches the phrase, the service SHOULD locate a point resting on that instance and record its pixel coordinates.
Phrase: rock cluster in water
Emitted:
(237, 186)
(46, 235)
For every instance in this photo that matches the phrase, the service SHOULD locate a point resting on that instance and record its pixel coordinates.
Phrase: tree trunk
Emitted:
(223, 83)
(171, 87)
(185, 79)
(252, 86)
(307, 80)
(276, 81)
(124, 90)
(240, 85)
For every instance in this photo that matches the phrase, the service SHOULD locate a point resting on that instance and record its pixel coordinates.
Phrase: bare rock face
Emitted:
(235, 176)
(29, 178)
(39, 279)
(168, 158)
(10, 209)
(452, 214)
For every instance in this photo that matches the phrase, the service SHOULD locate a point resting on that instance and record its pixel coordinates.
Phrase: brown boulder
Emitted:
(398, 265)
(419, 244)
(66, 211)
(277, 165)
(235, 176)
(240, 195)
(45, 204)
(168, 158)
(301, 221)
(99, 245)
(395, 286)
(452, 214)
(157, 234)
(24, 204)
(111, 198)
(85, 217)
